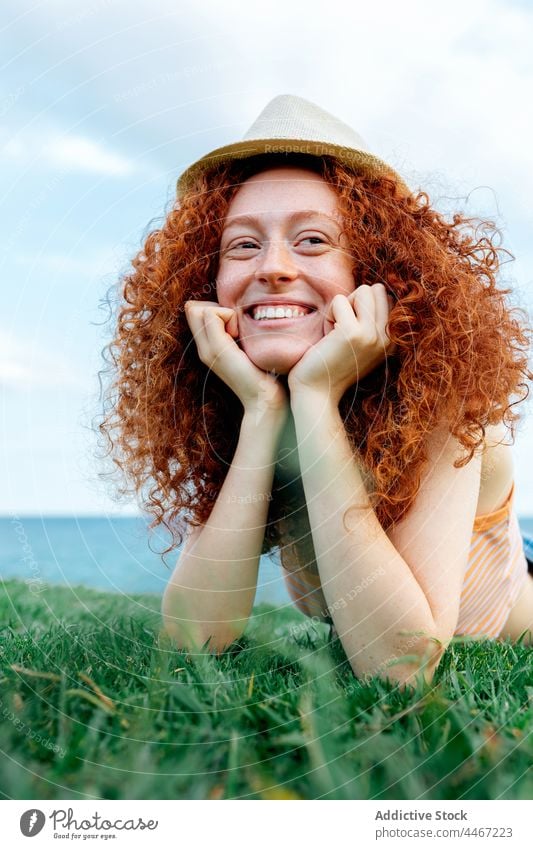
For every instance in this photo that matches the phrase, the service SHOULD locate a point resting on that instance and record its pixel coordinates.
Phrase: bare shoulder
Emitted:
(497, 471)
(443, 486)
(439, 443)
(496, 463)
(495, 434)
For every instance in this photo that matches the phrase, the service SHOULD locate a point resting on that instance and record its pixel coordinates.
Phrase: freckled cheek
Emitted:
(341, 273)
(227, 289)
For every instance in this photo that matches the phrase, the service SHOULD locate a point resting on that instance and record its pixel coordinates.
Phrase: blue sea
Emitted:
(115, 554)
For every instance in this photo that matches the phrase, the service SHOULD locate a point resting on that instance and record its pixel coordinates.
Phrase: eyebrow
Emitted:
(300, 215)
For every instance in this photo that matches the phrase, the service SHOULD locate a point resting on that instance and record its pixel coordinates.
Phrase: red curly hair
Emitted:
(172, 426)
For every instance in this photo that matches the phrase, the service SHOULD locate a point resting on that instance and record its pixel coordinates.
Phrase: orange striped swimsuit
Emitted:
(494, 576)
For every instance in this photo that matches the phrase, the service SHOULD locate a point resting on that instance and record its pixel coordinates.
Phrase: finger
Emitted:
(343, 313)
(194, 303)
(212, 324)
(217, 341)
(385, 303)
(203, 342)
(194, 319)
(392, 347)
(328, 312)
(232, 327)
(364, 304)
(193, 314)
(392, 303)
(351, 299)
(382, 311)
(229, 323)
(216, 321)
(228, 315)
(194, 306)
(203, 318)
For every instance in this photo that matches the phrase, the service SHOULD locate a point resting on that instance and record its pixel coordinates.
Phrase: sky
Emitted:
(104, 104)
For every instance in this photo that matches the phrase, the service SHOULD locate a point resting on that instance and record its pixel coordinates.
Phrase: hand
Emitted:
(354, 347)
(215, 329)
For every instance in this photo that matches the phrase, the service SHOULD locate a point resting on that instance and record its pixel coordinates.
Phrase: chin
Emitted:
(274, 357)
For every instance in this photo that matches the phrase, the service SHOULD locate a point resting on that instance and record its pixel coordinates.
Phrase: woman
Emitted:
(311, 358)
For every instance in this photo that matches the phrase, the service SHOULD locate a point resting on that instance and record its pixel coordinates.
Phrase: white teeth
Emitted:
(277, 312)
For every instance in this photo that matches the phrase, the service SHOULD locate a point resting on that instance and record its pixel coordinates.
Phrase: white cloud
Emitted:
(103, 263)
(25, 365)
(448, 100)
(84, 154)
(64, 151)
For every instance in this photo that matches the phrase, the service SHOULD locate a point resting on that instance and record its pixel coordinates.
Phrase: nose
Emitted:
(276, 263)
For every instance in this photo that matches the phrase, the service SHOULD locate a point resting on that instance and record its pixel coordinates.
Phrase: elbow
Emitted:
(412, 674)
(195, 637)
(200, 641)
(416, 660)
(183, 624)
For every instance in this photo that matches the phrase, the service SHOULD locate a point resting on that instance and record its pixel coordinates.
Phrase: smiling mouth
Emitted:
(284, 320)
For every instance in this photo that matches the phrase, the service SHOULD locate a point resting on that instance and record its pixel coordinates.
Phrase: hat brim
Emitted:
(361, 161)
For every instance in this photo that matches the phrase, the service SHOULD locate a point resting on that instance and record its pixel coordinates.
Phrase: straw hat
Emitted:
(290, 124)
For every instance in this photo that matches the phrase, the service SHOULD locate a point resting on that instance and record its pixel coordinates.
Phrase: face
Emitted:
(282, 246)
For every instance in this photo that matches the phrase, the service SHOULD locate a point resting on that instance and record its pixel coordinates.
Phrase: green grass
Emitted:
(96, 702)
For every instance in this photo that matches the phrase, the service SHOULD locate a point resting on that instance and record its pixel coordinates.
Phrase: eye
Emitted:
(242, 245)
(311, 244)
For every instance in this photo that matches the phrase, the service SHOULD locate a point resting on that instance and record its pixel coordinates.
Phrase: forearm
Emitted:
(212, 589)
(391, 617)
